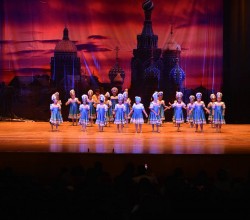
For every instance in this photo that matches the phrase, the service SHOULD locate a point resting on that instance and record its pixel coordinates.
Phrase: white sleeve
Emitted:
(142, 107)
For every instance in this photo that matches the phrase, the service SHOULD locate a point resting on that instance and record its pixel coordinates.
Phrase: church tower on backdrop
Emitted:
(116, 73)
(153, 68)
(65, 65)
(172, 74)
(146, 64)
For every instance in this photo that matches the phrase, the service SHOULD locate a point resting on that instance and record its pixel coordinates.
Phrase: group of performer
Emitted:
(105, 109)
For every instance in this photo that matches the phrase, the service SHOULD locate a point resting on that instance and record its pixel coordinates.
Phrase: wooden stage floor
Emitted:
(37, 137)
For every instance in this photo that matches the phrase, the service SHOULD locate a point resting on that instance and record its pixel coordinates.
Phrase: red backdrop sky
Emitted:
(31, 29)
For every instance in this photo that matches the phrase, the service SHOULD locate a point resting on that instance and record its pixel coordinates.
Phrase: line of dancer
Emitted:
(117, 109)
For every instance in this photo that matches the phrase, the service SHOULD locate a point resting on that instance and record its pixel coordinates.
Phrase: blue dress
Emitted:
(137, 117)
(84, 114)
(120, 110)
(101, 110)
(56, 117)
(114, 101)
(127, 104)
(162, 106)
(109, 114)
(173, 118)
(190, 116)
(153, 118)
(199, 116)
(73, 109)
(210, 108)
(178, 112)
(218, 109)
(92, 110)
(60, 103)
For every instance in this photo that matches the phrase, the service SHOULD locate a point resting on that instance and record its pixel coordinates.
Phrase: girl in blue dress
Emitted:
(73, 102)
(198, 112)
(101, 110)
(190, 115)
(178, 110)
(114, 98)
(137, 117)
(175, 101)
(120, 110)
(154, 116)
(219, 112)
(109, 114)
(55, 118)
(127, 103)
(60, 103)
(84, 112)
(162, 106)
(210, 108)
(92, 109)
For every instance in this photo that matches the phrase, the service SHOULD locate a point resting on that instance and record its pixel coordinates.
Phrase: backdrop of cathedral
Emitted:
(151, 68)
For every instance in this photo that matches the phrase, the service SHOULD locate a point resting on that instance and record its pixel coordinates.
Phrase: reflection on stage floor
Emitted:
(37, 137)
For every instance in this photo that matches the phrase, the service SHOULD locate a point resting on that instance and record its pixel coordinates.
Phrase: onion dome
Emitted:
(171, 44)
(116, 73)
(118, 79)
(152, 72)
(177, 74)
(65, 45)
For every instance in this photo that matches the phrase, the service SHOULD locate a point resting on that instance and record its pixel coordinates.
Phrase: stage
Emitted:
(32, 148)
(38, 137)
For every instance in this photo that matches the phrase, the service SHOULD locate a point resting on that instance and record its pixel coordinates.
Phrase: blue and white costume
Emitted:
(91, 102)
(120, 114)
(199, 116)
(109, 114)
(73, 108)
(101, 110)
(127, 103)
(190, 106)
(218, 111)
(190, 116)
(210, 107)
(153, 118)
(56, 117)
(120, 110)
(162, 106)
(114, 99)
(178, 112)
(84, 112)
(137, 117)
(198, 109)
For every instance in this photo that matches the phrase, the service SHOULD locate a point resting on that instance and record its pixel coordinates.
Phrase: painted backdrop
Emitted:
(30, 30)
